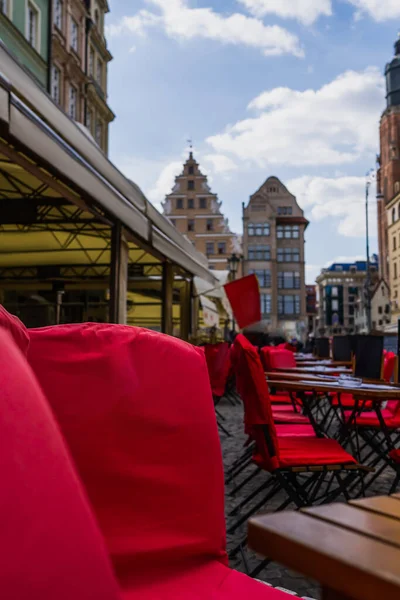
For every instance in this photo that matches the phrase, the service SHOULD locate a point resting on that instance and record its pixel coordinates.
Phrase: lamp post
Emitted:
(371, 175)
(233, 264)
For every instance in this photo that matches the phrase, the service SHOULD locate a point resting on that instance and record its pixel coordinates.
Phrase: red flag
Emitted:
(244, 297)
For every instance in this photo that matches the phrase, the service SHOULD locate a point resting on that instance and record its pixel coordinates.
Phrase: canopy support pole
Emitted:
(118, 276)
(167, 291)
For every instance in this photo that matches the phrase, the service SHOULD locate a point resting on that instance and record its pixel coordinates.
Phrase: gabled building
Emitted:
(273, 248)
(195, 211)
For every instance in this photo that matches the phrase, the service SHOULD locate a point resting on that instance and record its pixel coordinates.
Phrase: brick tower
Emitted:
(388, 184)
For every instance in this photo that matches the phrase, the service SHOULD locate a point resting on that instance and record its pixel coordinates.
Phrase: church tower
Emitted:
(388, 184)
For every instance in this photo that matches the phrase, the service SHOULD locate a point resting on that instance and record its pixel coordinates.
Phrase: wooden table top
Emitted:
(367, 390)
(353, 549)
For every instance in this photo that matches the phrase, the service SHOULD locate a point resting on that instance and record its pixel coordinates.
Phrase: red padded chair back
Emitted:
(218, 364)
(282, 359)
(265, 357)
(16, 328)
(253, 388)
(51, 545)
(137, 412)
(388, 365)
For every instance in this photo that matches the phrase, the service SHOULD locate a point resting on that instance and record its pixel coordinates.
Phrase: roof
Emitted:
(360, 265)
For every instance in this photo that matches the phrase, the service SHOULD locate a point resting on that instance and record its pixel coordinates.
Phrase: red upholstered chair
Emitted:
(218, 358)
(15, 328)
(51, 545)
(282, 359)
(146, 446)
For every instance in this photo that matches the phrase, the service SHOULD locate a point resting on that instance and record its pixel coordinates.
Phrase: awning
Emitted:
(210, 312)
(49, 136)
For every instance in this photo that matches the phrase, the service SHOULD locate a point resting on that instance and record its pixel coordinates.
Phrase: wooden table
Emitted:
(353, 549)
(312, 384)
(319, 370)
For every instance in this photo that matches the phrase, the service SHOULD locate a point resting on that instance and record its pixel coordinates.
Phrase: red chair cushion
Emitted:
(370, 419)
(308, 451)
(281, 359)
(16, 328)
(52, 548)
(218, 364)
(211, 582)
(137, 412)
(388, 365)
(295, 431)
(290, 417)
(347, 401)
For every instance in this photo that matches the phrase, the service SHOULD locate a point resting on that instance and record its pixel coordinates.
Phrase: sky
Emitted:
(291, 88)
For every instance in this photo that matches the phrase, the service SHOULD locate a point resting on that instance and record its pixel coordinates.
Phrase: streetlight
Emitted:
(371, 176)
(233, 264)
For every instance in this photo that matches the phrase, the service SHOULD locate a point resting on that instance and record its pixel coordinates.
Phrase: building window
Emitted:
(190, 225)
(190, 184)
(393, 215)
(5, 8)
(191, 170)
(89, 120)
(289, 305)
(55, 84)
(190, 202)
(335, 292)
(74, 35)
(394, 242)
(265, 304)
(258, 229)
(32, 26)
(179, 203)
(263, 276)
(91, 62)
(394, 270)
(209, 248)
(259, 253)
(288, 255)
(288, 280)
(210, 224)
(99, 132)
(380, 310)
(335, 305)
(221, 247)
(72, 103)
(203, 203)
(288, 232)
(284, 210)
(99, 72)
(58, 14)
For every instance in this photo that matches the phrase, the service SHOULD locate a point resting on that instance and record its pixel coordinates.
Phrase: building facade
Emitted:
(273, 249)
(388, 181)
(393, 235)
(311, 308)
(25, 31)
(79, 64)
(340, 286)
(380, 309)
(196, 212)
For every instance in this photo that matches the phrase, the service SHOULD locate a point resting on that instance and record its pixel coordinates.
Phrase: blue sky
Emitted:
(292, 88)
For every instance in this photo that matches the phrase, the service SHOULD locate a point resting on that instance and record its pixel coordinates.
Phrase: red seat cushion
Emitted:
(283, 408)
(211, 582)
(303, 451)
(51, 544)
(289, 417)
(347, 401)
(295, 431)
(370, 419)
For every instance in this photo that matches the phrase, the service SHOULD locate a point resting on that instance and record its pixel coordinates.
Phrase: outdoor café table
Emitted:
(319, 370)
(377, 393)
(323, 363)
(352, 550)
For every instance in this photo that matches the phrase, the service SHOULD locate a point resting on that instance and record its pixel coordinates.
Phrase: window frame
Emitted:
(31, 5)
(56, 69)
(58, 16)
(72, 89)
(179, 203)
(219, 251)
(190, 185)
(210, 246)
(209, 224)
(202, 201)
(190, 203)
(191, 225)
(72, 40)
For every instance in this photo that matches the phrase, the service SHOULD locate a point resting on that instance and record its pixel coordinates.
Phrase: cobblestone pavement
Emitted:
(275, 574)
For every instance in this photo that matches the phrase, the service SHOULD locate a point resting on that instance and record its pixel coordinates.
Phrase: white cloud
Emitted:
(132, 50)
(379, 10)
(341, 198)
(334, 125)
(220, 163)
(164, 184)
(305, 11)
(183, 23)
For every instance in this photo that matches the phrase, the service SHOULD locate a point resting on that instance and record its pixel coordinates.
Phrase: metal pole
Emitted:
(116, 233)
(233, 277)
(368, 277)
